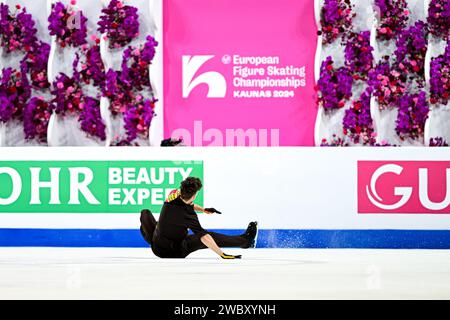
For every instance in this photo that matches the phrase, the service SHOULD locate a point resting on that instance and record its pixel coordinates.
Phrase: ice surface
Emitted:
(97, 273)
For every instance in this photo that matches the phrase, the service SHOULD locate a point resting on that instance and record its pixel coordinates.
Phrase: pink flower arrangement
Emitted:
(336, 19)
(387, 84)
(357, 123)
(36, 118)
(334, 86)
(68, 24)
(68, 96)
(17, 30)
(393, 16)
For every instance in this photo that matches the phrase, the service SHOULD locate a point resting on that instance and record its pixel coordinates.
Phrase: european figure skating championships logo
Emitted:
(260, 77)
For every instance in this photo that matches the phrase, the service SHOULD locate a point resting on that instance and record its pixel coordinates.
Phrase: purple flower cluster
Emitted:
(358, 55)
(68, 25)
(35, 64)
(388, 84)
(412, 114)
(334, 85)
(118, 91)
(138, 118)
(92, 68)
(336, 19)
(17, 30)
(120, 23)
(440, 77)
(6, 108)
(439, 18)
(357, 123)
(36, 118)
(136, 63)
(91, 120)
(15, 91)
(411, 49)
(69, 99)
(121, 86)
(393, 16)
(68, 96)
(438, 142)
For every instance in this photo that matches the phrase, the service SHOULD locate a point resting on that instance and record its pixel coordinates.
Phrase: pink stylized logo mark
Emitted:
(404, 187)
(217, 85)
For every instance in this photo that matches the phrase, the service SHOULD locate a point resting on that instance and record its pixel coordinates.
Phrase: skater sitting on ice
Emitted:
(169, 236)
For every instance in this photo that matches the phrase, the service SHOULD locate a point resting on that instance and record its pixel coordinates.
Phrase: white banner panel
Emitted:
(283, 188)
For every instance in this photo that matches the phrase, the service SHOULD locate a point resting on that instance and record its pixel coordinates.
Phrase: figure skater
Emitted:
(169, 236)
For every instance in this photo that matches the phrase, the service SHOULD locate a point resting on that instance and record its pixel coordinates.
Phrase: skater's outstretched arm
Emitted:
(208, 241)
(206, 210)
(198, 208)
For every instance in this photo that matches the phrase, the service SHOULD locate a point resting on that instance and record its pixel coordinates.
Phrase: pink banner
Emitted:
(240, 72)
(404, 187)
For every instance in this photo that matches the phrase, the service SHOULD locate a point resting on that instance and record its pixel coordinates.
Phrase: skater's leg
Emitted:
(148, 225)
(193, 243)
(225, 241)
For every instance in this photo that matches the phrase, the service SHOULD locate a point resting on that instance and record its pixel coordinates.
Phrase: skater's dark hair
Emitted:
(190, 187)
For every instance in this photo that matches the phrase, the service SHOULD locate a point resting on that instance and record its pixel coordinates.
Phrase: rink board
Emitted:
(301, 197)
(319, 239)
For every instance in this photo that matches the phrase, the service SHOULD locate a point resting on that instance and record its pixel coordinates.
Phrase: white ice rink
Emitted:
(93, 273)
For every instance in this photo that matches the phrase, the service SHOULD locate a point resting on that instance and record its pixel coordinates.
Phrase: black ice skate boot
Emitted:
(251, 234)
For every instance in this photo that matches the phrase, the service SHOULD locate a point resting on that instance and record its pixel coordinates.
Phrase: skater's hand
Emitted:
(230, 257)
(211, 211)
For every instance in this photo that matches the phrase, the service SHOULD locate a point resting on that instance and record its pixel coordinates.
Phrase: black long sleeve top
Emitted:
(175, 220)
